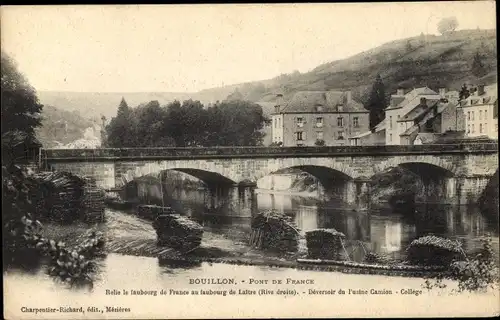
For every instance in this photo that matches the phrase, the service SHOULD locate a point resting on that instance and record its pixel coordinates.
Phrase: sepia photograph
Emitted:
(231, 161)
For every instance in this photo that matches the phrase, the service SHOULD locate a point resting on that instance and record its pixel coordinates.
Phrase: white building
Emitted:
(401, 104)
(481, 112)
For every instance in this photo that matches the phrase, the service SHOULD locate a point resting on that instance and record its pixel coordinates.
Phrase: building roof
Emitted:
(379, 127)
(308, 101)
(442, 138)
(426, 137)
(419, 109)
(490, 96)
(412, 95)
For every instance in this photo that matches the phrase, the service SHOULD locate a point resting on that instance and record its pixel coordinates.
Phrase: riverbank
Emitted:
(364, 294)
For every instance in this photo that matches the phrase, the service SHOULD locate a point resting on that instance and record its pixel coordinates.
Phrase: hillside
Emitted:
(62, 127)
(435, 61)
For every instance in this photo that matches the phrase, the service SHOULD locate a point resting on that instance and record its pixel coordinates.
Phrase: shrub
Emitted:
(320, 142)
(478, 272)
(432, 250)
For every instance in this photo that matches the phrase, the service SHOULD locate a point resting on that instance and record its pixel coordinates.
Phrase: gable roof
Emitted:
(308, 101)
(419, 109)
(424, 91)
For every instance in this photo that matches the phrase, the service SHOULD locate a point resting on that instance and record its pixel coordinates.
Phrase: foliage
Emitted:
(23, 242)
(377, 102)
(319, 142)
(447, 25)
(464, 93)
(20, 106)
(119, 133)
(190, 124)
(478, 67)
(478, 272)
(432, 250)
(61, 126)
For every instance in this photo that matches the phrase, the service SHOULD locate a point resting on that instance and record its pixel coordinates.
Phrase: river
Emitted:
(381, 229)
(226, 217)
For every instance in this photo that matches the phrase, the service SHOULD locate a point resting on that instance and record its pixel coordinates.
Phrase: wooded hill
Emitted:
(435, 61)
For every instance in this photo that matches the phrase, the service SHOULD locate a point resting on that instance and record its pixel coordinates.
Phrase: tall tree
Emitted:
(120, 129)
(377, 102)
(20, 106)
(478, 68)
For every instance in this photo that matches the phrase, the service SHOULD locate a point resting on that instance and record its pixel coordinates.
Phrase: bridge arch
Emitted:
(314, 166)
(421, 165)
(205, 171)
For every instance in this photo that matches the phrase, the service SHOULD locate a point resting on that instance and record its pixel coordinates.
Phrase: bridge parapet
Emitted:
(111, 154)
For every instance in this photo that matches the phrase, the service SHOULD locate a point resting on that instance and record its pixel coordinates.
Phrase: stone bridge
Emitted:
(451, 171)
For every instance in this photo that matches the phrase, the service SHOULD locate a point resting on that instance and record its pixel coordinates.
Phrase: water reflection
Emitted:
(382, 229)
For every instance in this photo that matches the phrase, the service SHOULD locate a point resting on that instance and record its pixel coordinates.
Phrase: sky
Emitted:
(187, 48)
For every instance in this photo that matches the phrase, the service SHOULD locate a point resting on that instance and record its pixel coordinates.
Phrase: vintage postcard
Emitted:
(250, 161)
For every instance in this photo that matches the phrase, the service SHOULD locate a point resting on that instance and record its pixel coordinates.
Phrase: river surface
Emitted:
(226, 217)
(382, 229)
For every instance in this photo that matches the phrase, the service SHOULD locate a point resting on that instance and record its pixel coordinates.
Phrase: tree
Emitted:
(478, 68)
(464, 93)
(448, 24)
(20, 106)
(377, 102)
(119, 131)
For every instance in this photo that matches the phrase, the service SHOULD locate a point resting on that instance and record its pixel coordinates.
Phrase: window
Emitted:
(340, 135)
(480, 128)
(355, 122)
(468, 115)
(319, 135)
(300, 136)
(340, 121)
(300, 121)
(275, 123)
(485, 114)
(277, 109)
(390, 137)
(468, 128)
(390, 122)
(472, 128)
(472, 115)
(480, 115)
(319, 122)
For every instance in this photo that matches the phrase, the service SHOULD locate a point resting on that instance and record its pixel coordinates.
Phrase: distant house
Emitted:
(481, 112)
(422, 110)
(313, 116)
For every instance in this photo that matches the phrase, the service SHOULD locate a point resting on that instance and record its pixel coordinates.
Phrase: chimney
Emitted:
(348, 96)
(400, 92)
(480, 89)
(442, 92)
(279, 101)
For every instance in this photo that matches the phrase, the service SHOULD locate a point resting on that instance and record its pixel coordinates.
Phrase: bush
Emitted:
(432, 250)
(320, 142)
(478, 272)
